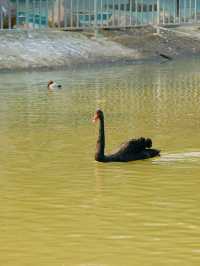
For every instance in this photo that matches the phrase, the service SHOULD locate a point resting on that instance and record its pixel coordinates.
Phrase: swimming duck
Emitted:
(53, 85)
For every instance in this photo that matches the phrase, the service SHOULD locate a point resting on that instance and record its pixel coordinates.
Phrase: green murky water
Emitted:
(61, 208)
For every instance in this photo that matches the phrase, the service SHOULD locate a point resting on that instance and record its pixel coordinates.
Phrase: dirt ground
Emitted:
(173, 42)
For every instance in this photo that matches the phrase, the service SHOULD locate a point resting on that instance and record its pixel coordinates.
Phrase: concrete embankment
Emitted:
(26, 50)
(52, 49)
(174, 42)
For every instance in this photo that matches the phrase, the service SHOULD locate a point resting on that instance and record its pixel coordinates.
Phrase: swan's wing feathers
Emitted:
(133, 149)
(135, 145)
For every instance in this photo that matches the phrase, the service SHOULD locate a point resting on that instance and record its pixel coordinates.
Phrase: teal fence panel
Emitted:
(81, 14)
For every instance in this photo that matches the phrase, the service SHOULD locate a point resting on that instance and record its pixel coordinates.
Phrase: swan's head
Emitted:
(98, 115)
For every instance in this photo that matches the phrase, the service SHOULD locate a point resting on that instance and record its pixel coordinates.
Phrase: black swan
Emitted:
(133, 149)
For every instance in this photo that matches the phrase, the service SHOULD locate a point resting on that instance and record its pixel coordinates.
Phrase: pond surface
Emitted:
(59, 207)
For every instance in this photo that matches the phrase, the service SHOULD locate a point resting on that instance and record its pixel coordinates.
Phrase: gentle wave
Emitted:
(178, 157)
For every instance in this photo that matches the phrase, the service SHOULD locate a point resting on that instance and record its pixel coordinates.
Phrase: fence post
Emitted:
(27, 13)
(59, 13)
(136, 12)
(184, 10)
(130, 10)
(9, 15)
(33, 12)
(142, 12)
(40, 8)
(163, 15)
(1, 18)
(113, 13)
(52, 14)
(101, 13)
(17, 16)
(119, 13)
(95, 17)
(195, 11)
(77, 14)
(47, 13)
(175, 11)
(65, 14)
(158, 16)
(71, 17)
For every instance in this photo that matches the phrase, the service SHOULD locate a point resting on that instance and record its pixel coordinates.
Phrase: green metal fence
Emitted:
(81, 14)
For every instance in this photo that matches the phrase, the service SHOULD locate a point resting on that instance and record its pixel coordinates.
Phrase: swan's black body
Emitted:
(134, 149)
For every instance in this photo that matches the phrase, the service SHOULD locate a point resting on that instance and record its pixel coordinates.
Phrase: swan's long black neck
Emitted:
(100, 146)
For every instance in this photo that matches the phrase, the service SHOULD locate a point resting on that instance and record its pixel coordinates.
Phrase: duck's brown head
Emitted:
(50, 82)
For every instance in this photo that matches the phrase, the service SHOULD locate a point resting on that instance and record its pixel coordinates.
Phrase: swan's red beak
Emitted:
(95, 118)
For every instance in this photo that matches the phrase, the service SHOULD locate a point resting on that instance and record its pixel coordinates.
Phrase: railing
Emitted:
(81, 14)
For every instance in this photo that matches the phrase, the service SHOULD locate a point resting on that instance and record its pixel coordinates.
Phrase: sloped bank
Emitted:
(175, 42)
(51, 49)
(27, 50)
